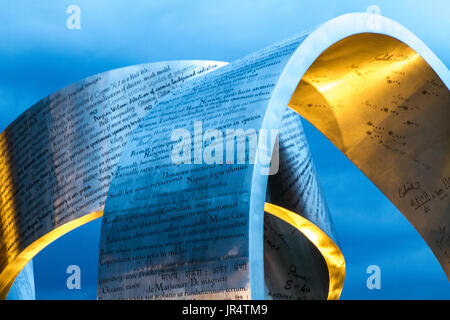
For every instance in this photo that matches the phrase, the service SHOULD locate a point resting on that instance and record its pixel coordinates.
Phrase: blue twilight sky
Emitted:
(39, 55)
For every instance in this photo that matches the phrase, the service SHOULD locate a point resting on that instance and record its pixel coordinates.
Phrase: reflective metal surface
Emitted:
(136, 209)
(328, 249)
(383, 106)
(57, 158)
(218, 230)
(23, 287)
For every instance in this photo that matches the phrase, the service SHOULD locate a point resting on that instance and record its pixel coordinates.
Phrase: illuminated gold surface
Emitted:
(330, 251)
(382, 105)
(14, 267)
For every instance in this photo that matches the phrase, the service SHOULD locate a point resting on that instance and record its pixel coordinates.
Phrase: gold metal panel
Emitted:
(383, 106)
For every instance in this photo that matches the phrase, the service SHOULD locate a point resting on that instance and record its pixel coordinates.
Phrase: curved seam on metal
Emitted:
(9, 274)
(330, 251)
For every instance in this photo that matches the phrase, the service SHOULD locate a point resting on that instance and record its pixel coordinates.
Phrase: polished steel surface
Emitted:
(219, 230)
(57, 158)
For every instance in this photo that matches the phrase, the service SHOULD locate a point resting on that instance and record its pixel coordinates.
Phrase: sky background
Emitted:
(39, 55)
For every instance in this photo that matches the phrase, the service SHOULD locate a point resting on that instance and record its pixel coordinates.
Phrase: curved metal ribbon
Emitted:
(369, 76)
(57, 158)
(388, 111)
(380, 95)
(330, 251)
